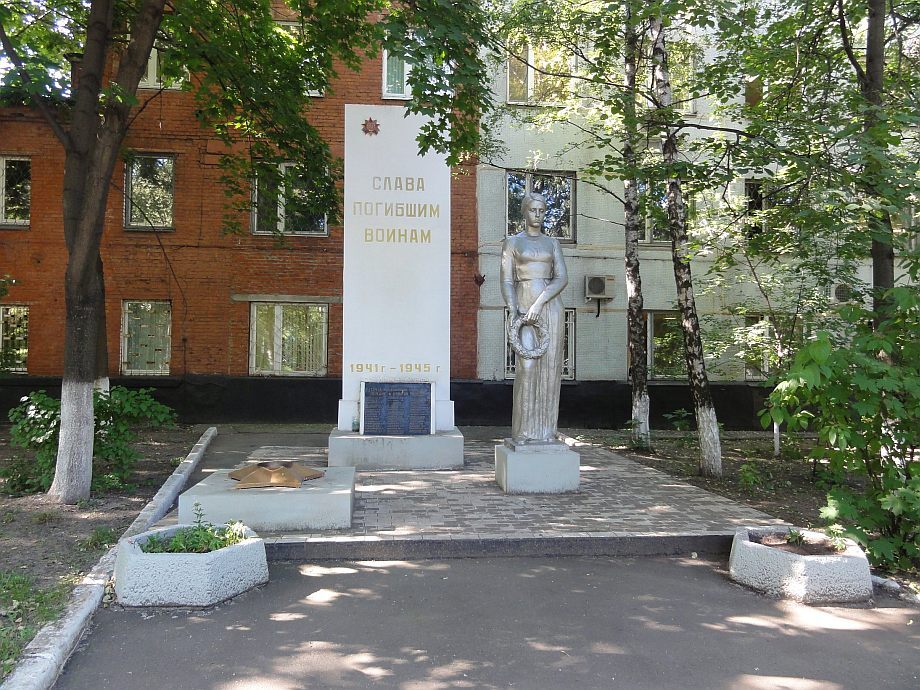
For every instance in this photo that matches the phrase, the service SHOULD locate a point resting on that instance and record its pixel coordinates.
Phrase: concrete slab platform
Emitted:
(443, 450)
(319, 504)
(544, 469)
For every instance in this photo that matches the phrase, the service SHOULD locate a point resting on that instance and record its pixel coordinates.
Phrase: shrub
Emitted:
(36, 425)
(864, 402)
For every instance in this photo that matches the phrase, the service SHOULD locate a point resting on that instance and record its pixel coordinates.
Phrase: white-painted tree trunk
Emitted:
(776, 440)
(642, 436)
(73, 472)
(707, 427)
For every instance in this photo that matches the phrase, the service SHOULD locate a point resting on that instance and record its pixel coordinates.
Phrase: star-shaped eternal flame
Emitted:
(370, 127)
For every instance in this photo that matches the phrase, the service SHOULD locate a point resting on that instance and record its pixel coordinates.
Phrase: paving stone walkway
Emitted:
(617, 498)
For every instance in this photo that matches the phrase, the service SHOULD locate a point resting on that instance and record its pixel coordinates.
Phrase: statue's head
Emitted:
(530, 198)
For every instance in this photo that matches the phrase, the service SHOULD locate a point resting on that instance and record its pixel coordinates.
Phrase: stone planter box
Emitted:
(818, 579)
(187, 579)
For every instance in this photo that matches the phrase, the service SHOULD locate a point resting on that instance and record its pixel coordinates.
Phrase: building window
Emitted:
(15, 190)
(756, 203)
(396, 76)
(558, 188)
(14, 338)
(288, 339)
(153, 75)
(149, 183)
(287, 213)
(653, 206)
(758, 336)
(538, 75)
(146, 333)
(568, 348)
(295, 30)
(666, 358)
(906, 225)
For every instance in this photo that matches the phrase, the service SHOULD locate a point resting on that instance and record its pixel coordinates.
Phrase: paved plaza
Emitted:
(621, 507)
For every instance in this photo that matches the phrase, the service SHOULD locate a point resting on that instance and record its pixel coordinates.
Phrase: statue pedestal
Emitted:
(540, 468)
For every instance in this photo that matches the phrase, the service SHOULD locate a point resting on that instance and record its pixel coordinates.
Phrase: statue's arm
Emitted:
(554, 286)
(507, 277)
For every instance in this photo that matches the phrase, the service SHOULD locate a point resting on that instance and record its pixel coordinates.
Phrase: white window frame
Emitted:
(288, 25)
(279, 230)
(566, 174)
(3, 219)
(650, 345)
(406, 93)
(129, 184)
(125, 370)
(277, 340)
(5, 310)
(151, 77)
(568, 346)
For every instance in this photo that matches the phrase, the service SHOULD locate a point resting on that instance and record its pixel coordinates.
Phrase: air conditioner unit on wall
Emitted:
(841, 293)
(598, 287)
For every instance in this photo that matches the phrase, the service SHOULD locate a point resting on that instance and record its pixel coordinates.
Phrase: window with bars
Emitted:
(288, 339)
(538, 75)
(568, 348)
(149, 185)
(558, 188)
(15, 190)
(287, 213)
(14, 338)
(146, 336)
(666, 358)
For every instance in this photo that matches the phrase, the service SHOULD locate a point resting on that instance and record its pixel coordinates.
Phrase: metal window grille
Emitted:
(14, 338)
(558, 188)
(288, 339)
(15, 190)
(146, 338)
(568, 348)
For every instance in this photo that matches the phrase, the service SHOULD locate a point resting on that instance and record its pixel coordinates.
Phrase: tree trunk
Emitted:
(635, 316)
(880, 228)
(91, 153)
(101, 382)
(706, 422)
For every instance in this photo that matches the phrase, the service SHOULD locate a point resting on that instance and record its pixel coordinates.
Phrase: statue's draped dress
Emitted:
(537, 382)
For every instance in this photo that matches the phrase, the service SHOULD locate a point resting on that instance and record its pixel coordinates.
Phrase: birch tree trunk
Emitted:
(706, 422)
(92, 146)
(635, 316)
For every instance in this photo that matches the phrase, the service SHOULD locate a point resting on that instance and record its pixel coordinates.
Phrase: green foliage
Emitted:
(680, 419)
(23, 610)
(36, 424)
(100, 538)
(863, 400)
(795, 537)
(749, 476)
(202, 537)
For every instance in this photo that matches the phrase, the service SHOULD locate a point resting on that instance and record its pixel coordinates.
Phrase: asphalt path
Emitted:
(577, 622)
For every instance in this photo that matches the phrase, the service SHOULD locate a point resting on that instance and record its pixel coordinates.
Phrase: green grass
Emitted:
(101, 538)
(24, 608)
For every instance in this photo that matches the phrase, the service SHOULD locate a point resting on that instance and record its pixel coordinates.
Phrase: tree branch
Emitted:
(847, 46)
(43, 108)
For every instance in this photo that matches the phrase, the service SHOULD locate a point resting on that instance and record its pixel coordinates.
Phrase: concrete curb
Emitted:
(625, 544)
(44, 657)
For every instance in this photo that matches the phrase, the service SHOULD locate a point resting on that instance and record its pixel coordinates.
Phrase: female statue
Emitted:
(532, 277)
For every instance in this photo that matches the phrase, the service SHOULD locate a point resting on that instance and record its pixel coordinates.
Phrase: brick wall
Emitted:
(202, 271)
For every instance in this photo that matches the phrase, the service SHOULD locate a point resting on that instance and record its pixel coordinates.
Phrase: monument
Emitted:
(395, 411)
(533, 275)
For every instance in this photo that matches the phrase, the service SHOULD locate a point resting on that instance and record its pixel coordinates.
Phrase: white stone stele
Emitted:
(443, 450)
(187, 579)
(538, 468)
(324, 503)
(836, 578)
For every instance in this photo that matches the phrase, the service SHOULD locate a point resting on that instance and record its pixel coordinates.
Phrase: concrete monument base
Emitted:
(324, 503)
(544, 468)
(443, 450)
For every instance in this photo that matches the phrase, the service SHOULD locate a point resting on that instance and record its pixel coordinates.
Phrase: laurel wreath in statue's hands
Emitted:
(540, 330)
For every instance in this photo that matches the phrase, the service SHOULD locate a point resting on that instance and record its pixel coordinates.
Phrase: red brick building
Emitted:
(228, 321)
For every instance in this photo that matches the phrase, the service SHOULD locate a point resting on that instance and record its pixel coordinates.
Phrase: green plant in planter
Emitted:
(202, 537)
(795, 537)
